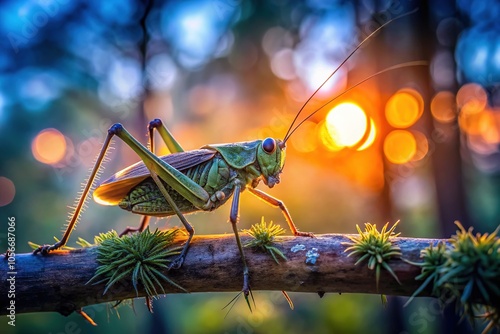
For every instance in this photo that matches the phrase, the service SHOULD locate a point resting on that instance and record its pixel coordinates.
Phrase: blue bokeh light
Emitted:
(195, 29)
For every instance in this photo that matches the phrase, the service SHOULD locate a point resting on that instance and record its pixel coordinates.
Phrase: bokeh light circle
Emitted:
(400, 146)
(49, 146)
(404, 108)
(346, 124)
(7, 191)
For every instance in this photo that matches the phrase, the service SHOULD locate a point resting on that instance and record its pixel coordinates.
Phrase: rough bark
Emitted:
(57, 282)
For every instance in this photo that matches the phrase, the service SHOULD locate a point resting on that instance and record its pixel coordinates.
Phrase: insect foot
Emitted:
(246, 289)
(304, 234)
(177, 263)
(45, 249)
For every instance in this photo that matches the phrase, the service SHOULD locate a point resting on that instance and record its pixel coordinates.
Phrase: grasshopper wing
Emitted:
(114, 189)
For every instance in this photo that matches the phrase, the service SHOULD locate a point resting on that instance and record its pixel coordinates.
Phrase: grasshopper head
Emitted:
(271, 159)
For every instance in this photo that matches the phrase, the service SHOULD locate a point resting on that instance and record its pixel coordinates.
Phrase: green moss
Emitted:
(375, 247)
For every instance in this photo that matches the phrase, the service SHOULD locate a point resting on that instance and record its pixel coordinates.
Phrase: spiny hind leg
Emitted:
(45, 249)
(172, 145)
(190, 190)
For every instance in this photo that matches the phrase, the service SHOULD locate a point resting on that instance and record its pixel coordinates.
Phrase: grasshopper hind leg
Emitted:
(157, 167)
(177, 263)
(172, 145)
(45, 249)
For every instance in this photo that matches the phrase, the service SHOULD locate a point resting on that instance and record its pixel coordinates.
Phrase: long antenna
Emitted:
(288, 133)
(395, 67)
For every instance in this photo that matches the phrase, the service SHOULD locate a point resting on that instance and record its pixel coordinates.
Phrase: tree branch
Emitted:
(57, 282)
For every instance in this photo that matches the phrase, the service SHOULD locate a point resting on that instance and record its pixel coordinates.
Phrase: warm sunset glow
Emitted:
(49, 146)
(305, 139)
(346, 124)
(404, 108)
(400, 146)
(7, 191)
(443, 107)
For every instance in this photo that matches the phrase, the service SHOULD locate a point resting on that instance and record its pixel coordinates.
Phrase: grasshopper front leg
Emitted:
(279, 204)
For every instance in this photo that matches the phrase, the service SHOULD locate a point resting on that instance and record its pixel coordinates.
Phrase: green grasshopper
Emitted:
(199, 180)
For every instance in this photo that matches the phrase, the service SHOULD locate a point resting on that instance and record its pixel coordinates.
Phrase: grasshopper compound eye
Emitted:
(269, 145)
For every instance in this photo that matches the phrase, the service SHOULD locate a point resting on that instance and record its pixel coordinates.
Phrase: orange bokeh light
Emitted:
(49, 146)
(443, 107)
(470, 123)
(489, 126)
(400, 146)
(404, 108)
(422, 146)
(7, 191)
(471, 98)
(346, 125)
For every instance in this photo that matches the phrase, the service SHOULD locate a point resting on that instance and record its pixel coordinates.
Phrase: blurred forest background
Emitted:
(419, 144)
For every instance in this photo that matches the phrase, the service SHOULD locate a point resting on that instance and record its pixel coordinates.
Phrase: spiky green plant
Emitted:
(375, 247)
(139, 258)
(98, 239)
(467, 272)
(491, 317)
(433, 259)
(263, 237)
(472, 270)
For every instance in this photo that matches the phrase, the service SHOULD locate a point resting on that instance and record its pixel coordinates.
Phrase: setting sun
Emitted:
(347, 125)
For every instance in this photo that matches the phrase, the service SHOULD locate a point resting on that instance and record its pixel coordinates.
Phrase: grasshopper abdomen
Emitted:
(215, 176)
